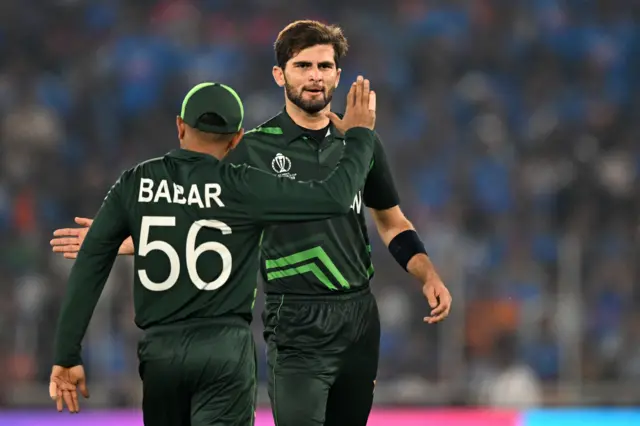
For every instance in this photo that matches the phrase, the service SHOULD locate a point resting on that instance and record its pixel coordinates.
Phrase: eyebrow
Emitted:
(323, 63)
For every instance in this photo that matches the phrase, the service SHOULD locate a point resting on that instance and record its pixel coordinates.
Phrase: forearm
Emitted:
(89, 274)
(403, 243)
(276, 200)
(420, 266)
(408, 250)
(87, 279)
(388, 233)
(349, 176)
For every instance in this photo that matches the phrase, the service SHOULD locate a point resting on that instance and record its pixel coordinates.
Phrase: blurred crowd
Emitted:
(513, 131)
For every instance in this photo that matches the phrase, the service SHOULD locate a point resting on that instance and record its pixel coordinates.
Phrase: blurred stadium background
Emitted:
(513, 128)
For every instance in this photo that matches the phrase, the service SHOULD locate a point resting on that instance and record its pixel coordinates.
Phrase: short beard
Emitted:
(311, 106)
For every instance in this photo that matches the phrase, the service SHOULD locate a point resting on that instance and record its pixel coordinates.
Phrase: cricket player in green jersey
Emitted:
(321, 322)
(196, 223)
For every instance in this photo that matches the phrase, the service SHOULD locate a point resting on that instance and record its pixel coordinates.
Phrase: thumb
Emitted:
(333, 117)
(430, 293)
(83, 221)
(82, 385)
(53, 390)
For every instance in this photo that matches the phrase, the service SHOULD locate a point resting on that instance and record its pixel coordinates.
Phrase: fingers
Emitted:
(334, 118)
(436, 319)
(430, 293)
(59, 243)
(441, 311)
(68, 400)
(438, 314)
(359, 90)
(64, 394)
(69, 248)
(53, 390)
(372, 101)
(372, 105)
(59, 403)
(83, 388)
(68, 232)
(351, 96)
(75, 402)
(83, 221)
(360, 94)
(68, 241)
(71, 232)
(366, 90)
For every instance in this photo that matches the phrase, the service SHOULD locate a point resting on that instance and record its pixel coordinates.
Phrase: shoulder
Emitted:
(268, 133)
(150, 163)
(269, 129)
(141, 169)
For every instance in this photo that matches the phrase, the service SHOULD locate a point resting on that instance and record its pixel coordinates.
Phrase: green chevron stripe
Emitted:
(302, 269)
(307, 255)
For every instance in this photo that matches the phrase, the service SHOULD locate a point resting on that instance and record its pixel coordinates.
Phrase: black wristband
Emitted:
(405, 245)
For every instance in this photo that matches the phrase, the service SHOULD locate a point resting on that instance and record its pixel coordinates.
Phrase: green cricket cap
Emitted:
(215, 99)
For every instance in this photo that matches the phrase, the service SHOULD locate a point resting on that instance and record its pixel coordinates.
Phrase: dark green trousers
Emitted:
(322, 358)
(202, 373)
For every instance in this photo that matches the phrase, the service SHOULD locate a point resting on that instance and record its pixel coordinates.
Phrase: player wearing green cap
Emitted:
(196, 223)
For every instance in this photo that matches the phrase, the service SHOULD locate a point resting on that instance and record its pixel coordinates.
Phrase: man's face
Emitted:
(311, 77)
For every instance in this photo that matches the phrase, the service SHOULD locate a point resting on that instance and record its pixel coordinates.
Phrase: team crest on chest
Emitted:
(281, 164)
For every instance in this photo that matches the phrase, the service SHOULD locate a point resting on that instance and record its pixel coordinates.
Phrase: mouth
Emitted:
(314, 91)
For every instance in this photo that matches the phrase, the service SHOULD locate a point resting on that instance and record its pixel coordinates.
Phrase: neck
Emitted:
(213, 149)
(302, 118)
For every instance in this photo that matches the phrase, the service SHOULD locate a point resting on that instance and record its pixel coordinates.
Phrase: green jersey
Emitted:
(196, 224)
(327, 255)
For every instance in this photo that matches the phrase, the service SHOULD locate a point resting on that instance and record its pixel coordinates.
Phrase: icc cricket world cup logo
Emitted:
(281, 164)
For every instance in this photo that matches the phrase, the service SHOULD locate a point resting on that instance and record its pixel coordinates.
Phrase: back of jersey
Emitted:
(196, 254)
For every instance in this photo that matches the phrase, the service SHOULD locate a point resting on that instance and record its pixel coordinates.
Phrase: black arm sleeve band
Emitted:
(405, 245)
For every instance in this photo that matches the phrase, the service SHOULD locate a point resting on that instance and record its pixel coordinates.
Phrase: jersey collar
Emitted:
(185, 154)
(291, 131)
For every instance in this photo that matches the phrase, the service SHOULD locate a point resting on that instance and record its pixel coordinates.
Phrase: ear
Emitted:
(338, 76)
(181, 127)
(236, 139)
(278, 76)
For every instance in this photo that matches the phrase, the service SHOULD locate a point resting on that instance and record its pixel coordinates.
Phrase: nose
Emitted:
(315, 74)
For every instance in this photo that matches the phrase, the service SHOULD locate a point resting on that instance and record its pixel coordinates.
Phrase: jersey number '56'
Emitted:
(191, 253)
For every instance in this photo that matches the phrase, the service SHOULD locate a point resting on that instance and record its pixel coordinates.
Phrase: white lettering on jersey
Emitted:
(163, 192)
(357, 203)
(194, 197)
(175, 194)
(212, 191)
(178, 194)
(146, 194)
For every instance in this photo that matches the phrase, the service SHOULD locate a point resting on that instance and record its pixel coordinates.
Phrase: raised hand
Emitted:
(360, 109)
